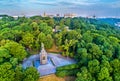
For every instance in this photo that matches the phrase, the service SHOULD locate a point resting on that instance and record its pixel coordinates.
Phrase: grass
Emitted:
(53, 77)
(54, 49)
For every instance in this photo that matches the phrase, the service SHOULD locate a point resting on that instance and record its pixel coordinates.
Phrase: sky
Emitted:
(100, 8)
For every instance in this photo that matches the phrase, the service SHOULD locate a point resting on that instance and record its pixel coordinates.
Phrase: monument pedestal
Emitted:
(43, 55)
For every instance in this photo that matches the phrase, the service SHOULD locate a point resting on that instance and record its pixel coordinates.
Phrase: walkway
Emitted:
(54, 60)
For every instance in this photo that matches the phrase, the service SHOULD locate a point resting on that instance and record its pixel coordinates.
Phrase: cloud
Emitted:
(73, 3)
(65, 3)
(82, 7)
(45, 3)
(116, 4)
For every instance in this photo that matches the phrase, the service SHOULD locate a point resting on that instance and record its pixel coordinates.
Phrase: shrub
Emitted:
(68, 67)
(68, 70)
(67, 73)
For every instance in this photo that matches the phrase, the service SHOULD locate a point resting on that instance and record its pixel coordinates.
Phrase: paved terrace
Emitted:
(54, 60)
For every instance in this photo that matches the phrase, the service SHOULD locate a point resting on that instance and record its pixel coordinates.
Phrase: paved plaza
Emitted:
(54, 60)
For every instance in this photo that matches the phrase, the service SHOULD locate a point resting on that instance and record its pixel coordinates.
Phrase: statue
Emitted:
(43, 55)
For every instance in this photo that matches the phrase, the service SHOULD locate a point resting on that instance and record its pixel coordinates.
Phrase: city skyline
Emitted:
(100, 8)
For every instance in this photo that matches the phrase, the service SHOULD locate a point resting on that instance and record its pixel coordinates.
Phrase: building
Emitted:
(92, 16)
(46, 15)
(15, 17)
(70, 15)
(51, 16)
(43, 55)
(57, 15)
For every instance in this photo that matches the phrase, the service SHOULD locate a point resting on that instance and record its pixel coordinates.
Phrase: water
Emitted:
(37, 63)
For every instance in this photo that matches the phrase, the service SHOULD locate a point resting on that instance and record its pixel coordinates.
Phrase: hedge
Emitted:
(68, 67)
(68, 70)
(67, 73)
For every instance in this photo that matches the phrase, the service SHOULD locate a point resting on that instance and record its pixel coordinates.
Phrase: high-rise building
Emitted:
(57, 15)
(70, 15)
(44, 15)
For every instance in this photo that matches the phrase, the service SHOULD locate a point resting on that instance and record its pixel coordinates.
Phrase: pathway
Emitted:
(54, 60)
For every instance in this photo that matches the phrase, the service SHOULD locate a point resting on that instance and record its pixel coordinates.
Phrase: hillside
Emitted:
(94, 45)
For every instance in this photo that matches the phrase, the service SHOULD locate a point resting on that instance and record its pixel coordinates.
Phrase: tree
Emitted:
(62, 23)
(115, 64)
(4, 54)
(34, 26)
(75, 24)
(51, 22)
(81, 56)
(87, 37)
(19, 74)
(81, 44)
(58, 39)
(99, 39)
(84, 75)
(106, 64)
(103, 74)
(16, 50)
(31, 74)
(14, 61)
(25, 27)
(93, 67)
(17, 35)
(6, 72)
(94, 50)
(94, 44)
(113, 39)
(117, 76)
(45, 29)
(108, 53)
(7, 34)
(41, 37)
(68, 44)
(73, 35)
(27, 40)
(49, 41)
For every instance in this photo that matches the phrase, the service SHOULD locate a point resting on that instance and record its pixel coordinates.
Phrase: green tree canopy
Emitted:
(16, 50)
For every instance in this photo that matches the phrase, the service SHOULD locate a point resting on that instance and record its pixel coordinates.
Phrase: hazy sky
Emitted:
(100, 8)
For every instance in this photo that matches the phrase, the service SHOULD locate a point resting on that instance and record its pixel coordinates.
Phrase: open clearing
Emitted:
(53, 77)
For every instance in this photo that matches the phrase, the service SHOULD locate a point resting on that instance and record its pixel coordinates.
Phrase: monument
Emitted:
(43, 55)
(46, 63)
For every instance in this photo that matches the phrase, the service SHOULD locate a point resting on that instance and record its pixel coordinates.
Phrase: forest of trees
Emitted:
(93, 44)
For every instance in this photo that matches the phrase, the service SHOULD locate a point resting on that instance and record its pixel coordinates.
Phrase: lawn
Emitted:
(54, 49)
